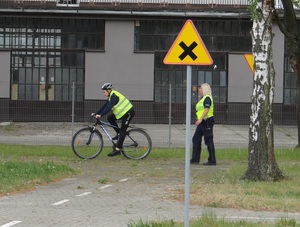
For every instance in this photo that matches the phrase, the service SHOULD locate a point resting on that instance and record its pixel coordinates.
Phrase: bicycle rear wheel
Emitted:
(137, 144)
(87, 143)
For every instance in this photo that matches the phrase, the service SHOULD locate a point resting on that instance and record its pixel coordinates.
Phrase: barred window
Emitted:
(290, 89)
(47, 75)
(218, 35)
(54, 33)
(175, 75)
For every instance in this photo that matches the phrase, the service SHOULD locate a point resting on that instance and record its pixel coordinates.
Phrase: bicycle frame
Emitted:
(102, 125)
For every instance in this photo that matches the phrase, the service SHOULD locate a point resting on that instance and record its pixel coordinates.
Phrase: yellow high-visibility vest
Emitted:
(122, 107)
(200, 108)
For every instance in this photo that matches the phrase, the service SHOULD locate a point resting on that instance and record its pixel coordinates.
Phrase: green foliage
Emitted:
(286, 223)
(252, 8)
(296, 3)
(103, 180)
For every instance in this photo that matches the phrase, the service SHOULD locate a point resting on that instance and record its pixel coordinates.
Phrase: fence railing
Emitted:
(278, 3)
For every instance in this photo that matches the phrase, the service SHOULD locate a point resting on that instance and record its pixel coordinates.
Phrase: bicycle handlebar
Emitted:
(100, 122)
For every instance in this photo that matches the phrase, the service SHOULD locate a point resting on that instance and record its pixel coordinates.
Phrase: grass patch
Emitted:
(212, 221)
(19, 176)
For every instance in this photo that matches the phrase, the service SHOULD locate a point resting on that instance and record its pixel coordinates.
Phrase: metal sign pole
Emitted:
(188, 49)
(170, 112)
(187, 143)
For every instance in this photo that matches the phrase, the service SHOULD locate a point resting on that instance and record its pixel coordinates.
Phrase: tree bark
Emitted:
(262, 164)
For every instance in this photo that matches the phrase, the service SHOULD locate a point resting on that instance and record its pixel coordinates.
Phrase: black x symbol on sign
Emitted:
(188, 50)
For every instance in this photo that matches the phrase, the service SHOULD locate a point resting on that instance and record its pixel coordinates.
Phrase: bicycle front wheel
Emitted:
(137, 144)
(87, 143)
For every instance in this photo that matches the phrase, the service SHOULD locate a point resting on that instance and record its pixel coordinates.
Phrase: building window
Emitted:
(174, 77)
(48, 55)
(68, 2)
(290, 84)
(218, 35)
(47, 75)
(54, 33)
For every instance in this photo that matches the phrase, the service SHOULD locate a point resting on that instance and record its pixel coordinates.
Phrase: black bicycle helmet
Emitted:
(107, 86)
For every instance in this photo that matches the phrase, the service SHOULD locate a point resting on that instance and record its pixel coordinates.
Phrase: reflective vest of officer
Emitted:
(122, 107)
(200, 108)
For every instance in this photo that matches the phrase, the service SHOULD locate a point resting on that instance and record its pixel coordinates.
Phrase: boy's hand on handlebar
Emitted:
(95, 115)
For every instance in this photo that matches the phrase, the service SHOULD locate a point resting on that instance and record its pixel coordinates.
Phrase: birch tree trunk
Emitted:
(262, 165)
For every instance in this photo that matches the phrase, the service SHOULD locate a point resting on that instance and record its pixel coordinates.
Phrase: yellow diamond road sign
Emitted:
(188, 48)
(250, 61)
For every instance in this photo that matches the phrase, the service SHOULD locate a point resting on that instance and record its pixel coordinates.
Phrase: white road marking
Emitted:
(105, 186)
(11, 223)
(123, 180)
(60, 202)
(83, 194)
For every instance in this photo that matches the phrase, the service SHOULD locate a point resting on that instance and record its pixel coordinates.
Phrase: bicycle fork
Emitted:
(91, 135)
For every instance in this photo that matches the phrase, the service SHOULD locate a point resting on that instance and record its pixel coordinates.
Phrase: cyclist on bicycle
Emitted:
(122, 110)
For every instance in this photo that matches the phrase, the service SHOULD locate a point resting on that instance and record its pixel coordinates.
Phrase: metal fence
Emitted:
(54, 122)
(160, 106)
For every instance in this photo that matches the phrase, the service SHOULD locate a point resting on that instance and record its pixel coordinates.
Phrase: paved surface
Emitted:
(225, 136)
(82, 201)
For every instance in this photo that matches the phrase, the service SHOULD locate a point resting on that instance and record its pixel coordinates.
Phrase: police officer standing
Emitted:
(205, 122)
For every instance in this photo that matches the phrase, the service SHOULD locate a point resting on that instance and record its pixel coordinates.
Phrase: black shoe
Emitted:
(116, 137)
(114, 153)
(210, 164)
(194, 162)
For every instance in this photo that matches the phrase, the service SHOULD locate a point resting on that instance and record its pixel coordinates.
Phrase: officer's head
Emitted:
(206, 90)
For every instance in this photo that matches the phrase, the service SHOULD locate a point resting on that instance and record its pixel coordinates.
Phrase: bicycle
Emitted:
(87, 143)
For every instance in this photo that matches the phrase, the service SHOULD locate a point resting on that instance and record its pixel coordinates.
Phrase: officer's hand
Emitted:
(97, 116)
(198, 122)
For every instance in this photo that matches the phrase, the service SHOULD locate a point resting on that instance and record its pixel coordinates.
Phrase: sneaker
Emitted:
(116, 137)
(114, 153)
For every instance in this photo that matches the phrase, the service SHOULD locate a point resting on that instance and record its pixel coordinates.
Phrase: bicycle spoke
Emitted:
(87, 144)
(137, 144)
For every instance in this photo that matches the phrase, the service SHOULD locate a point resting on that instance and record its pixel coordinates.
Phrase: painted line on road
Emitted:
(105, 186)
(83, 194)
(60, 202)
(123, 180)
(10, 223)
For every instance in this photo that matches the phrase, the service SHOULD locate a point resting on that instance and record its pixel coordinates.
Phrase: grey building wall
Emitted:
(240, 78)
(4, 74)
(4, 85)
(278, 58)
(130, 73)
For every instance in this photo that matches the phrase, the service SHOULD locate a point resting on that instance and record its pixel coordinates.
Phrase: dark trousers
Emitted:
(125, 120)
(205, 129)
